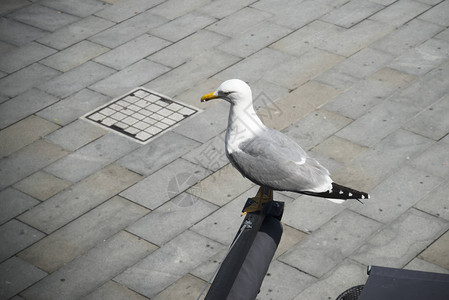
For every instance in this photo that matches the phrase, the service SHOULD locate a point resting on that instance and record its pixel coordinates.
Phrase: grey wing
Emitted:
(274, 160)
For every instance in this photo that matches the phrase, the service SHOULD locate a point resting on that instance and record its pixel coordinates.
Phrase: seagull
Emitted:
(270, 158)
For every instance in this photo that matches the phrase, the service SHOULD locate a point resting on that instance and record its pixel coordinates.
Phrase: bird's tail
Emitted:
(340, 192)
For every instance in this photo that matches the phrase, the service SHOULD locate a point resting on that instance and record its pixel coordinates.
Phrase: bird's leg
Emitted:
(264, 195)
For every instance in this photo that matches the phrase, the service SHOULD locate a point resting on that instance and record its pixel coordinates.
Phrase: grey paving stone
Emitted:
(222, 186)
(43, 17)
(121, 11)
(24, 105)
(331, 244)
(443, 35)
(76, 238)
(186, 49)
(13, 203)
(172, 218)
(73, 107)
(24, 133)
(16, 275)
(114, 291)
(254, 38)
(207, 268)
(24, 56)
(41, 185)
(5, 48)
(337, 79)
(158, 153)
(377, 123)
(306, 38)
(192, 72)
(393, 77)
(375, 164)
(435, 202)
(265, 93)
(128, 30)
(430, 2)
(360, 98)
(316, 127)
(283, 282)
(432, 122)
(436, 253)
(75, 32)
(331, 164)
(338, 149)
(163, 185)
(219, 10)
(76, 79)
(400, 12)
(83, 8)
(223, 224)
(130, 78)
(183, 26)
(423, 58)
(208, 124)
(132, 51)
(295, 105)
(76, 135)
(396, 194)
(74, 56)
(310, 213)
(25, 79)
(418, 264)
(28, 160)
(94, 190)
(11, 5)
(17, 33)
(427, 89)
(352, 13)
(341, 278)
(172, 9)
(294, 14)
(15, 236)
(364, 63)
(297, 71)
(406, 37)
(245, 18)
(445, 139)
(211, 155)
(186, 287)
(92, 157)
(190, 96)
(167, 264)
(121, 251)
(254, 67)
(354, 39)
(290, 235)
(398, 243)
(434, 160)
(437, 14)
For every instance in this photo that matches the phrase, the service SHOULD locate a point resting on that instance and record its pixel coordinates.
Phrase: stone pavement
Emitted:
(86, 212)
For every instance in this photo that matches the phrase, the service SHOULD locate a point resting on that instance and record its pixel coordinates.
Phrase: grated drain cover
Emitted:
(141, 114)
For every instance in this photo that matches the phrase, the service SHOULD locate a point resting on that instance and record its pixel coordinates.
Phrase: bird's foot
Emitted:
(264, 195)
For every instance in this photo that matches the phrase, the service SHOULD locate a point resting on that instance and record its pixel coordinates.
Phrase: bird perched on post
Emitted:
(268, 157)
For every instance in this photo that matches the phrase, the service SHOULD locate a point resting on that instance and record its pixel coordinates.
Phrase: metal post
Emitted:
(242, 271)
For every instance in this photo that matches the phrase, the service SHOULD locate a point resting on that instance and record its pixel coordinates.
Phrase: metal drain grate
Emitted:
(141, 114)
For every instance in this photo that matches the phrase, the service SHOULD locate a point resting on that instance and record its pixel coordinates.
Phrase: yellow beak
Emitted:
(209, 97)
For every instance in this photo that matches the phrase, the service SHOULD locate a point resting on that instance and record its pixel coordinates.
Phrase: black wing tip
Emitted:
(341, 192)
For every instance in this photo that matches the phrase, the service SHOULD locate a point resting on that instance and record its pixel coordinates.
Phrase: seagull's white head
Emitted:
(235, 91)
